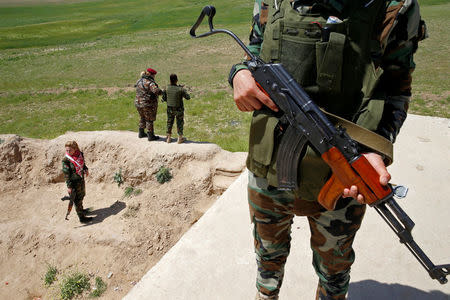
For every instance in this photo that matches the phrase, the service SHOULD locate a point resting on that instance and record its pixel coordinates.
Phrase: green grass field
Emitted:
(71, 65)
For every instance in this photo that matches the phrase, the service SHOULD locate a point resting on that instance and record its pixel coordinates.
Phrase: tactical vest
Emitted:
(174, 95)
(334, 66)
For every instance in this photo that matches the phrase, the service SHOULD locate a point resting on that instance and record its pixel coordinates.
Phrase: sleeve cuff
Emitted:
(234, 69)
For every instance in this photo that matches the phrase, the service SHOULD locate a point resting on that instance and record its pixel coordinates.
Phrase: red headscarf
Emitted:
(78, 161)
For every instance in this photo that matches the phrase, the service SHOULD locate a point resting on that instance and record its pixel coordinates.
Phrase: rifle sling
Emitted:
(365, 137)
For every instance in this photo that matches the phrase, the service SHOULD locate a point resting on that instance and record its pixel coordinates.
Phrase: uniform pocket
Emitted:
(297, 51)
(298, 57)
(330, 56)
(261, 144)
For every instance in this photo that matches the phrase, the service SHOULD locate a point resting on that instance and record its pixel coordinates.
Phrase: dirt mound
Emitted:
(129, 233)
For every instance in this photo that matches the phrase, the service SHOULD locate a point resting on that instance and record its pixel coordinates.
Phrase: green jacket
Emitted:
(70, 175)
(174, 95)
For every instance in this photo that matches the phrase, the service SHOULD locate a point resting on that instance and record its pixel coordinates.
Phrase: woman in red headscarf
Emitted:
(74, 169)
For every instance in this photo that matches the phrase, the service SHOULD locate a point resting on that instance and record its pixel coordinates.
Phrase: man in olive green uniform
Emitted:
(355, 59)
(146, 102)
(174, 95)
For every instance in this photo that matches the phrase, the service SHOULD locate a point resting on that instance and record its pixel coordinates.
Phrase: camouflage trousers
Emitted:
(147, 116)
(332, 233)
(77, 196)
(172, 113)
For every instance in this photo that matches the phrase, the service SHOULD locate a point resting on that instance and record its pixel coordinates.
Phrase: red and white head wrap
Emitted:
(78, 161)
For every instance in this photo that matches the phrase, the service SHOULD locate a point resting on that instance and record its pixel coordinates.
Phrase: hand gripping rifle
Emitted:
(306, 123)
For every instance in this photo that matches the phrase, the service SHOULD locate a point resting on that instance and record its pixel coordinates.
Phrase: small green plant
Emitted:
(128, 191)
(118, 177)
(73, 285)
(163, 175)
(131, 191)
(99, 288)
(50, 276)
(2, 141)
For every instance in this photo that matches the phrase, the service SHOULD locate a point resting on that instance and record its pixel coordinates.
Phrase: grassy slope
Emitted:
(431, 80)
(45, 56)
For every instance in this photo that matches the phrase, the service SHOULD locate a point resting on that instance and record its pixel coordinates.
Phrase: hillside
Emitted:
(128, 234)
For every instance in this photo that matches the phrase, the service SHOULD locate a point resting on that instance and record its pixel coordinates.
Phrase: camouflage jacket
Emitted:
(398, 36)
(70, 174)
(174, 95)
(147, 91)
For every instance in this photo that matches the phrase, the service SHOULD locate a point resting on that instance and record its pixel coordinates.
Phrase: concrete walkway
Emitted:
(215, 259)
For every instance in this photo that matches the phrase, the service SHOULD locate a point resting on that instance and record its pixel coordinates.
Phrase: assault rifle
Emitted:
(306, 123)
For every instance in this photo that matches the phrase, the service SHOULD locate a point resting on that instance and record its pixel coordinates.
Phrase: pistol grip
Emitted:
(330, 193)
(344, 177)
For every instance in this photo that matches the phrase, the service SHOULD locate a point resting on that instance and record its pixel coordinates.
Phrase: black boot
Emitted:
(142, 133)
(84, 219)
(152, 137)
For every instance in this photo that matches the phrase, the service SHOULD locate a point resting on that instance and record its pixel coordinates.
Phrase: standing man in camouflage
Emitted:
(146, 102)
(355, 59)
(175, 108)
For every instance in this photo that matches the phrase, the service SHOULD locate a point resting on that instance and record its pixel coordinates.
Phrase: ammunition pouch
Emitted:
(333, 66)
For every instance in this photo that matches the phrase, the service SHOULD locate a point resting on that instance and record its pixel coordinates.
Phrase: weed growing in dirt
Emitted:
(50, 276)
(118, 177)
(163, 175)
(99, 288)
(73, 285)
(131, 191)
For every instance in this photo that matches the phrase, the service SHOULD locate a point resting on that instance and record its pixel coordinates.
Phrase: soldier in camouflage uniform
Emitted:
(174, 95)
(74, 169)
(360, 69)
(146, 102)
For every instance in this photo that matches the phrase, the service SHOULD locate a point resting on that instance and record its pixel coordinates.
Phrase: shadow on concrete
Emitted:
(102, 213)
(374, 290)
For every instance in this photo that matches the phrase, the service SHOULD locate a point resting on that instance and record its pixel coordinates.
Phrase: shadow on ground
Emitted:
(374, 290)
(102, 213)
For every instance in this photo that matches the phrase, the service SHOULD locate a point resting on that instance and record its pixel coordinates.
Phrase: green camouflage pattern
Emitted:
(174, 95)
(77, 196)
(147, 115)
(76, 183)
(332, 234)
(390, 42)
(147, 92)
(70, 174)
(146, 101)
(172, 113)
